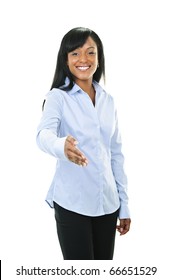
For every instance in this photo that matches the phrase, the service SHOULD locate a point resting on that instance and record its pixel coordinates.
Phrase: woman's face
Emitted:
(83, 61)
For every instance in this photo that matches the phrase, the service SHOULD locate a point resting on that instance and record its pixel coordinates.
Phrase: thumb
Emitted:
(71, 140)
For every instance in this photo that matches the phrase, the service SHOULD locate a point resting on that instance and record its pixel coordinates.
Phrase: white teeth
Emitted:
(83, 68)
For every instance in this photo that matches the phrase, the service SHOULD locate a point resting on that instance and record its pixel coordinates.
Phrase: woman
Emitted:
(79, 127)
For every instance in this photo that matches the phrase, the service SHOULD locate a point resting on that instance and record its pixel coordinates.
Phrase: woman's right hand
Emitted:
(73, 153)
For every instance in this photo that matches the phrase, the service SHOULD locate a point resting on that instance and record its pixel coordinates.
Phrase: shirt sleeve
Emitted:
(48, 139)
(117, 162)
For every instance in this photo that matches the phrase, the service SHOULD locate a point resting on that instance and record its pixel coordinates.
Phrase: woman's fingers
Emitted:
(124, 226)
(77, 158)
(73, 153)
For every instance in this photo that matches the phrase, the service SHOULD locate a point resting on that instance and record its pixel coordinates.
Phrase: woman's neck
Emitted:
(85, 85)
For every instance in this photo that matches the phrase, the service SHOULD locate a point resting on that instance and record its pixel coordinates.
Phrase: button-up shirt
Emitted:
(101, 187)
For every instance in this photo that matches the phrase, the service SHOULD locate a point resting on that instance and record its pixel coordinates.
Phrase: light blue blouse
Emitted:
(100, 187)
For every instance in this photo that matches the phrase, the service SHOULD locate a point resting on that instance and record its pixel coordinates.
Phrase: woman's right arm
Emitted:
(48, 139)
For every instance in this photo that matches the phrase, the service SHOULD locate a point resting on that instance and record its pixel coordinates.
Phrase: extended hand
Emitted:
(73, 153)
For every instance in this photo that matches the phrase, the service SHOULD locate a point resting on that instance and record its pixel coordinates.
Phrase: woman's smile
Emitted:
(83, 68)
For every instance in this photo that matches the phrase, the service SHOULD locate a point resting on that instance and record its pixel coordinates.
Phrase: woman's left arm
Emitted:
(117, 163)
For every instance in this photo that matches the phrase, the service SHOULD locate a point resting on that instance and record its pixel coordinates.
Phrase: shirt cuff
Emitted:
(124, 212)
(51, 144)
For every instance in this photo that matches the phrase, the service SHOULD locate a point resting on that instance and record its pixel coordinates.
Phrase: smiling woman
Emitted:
(79, 126)
(83, 63)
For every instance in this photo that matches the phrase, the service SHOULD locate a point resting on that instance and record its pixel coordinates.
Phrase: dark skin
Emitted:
(73, 153)
(124, 226)
(77, 157)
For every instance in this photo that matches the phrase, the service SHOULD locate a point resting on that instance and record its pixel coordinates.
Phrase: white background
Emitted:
(137, 43)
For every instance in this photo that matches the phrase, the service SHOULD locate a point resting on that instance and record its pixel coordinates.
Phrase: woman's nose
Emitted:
(83, 57)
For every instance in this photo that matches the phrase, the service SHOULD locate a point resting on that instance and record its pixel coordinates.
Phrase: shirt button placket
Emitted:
(100, 166)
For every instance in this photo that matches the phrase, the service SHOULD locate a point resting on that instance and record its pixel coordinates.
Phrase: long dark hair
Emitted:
(72, 40)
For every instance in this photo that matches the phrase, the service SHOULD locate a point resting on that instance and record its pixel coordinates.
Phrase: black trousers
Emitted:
(83, 237)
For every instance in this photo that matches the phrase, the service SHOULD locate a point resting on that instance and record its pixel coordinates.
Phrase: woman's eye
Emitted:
(91, 53)
(74, 54)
